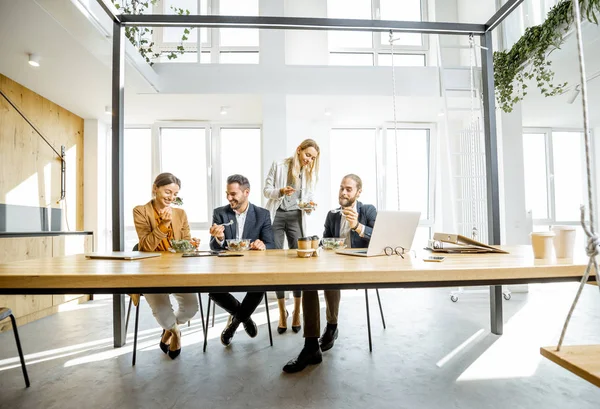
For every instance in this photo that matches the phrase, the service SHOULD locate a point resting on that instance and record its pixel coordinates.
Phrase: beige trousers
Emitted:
(162, 309)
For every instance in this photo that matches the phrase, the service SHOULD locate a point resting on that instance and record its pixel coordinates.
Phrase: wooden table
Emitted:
(282, 270)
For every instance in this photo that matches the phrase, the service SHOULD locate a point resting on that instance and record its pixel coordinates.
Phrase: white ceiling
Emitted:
(75, 73)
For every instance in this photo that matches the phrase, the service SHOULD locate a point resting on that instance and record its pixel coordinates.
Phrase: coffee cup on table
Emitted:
(305, 243)
(564, 241)
(541, 242)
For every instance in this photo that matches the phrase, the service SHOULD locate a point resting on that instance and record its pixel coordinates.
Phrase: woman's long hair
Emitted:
(311, 172)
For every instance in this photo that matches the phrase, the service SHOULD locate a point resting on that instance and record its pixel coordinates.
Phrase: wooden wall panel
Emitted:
(28, 308)
(30, 169)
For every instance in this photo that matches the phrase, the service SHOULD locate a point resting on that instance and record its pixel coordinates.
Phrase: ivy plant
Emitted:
(141, 37)
(527, 59)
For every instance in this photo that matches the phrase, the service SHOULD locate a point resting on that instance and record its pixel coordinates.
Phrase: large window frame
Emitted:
(551, 220)
(381, 141)
(214, 179)
(377, 48)
(208, 50)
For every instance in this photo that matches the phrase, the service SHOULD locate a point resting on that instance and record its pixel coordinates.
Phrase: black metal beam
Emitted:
(118, 87)
(501, 14)
(118, 92)
(300, 23)
(491, 139)
(110, 10)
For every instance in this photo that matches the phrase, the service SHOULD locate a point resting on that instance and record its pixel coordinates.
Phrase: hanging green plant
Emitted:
(527, 58)
(141, 37)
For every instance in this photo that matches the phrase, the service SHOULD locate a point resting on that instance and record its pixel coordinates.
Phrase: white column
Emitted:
(514, 221)
(95, 186)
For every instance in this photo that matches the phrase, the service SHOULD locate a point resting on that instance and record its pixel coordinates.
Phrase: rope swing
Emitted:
(593, 242)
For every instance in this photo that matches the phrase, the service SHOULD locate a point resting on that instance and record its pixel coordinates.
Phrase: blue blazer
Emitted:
(257, 226)
(366, 216)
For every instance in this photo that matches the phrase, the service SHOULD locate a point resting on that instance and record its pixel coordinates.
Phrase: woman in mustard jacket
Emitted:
(156, 224)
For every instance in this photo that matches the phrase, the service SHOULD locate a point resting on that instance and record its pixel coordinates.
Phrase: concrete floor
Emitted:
(434, 354)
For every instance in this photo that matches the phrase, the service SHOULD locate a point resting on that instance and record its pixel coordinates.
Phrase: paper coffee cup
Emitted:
(542, 244)
(564, 241)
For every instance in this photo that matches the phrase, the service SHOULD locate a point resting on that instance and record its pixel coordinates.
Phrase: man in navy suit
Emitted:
(240, 220)
(356, 226)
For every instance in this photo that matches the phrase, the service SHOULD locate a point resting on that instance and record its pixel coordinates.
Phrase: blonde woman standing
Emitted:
(290, 182)
(156, 224)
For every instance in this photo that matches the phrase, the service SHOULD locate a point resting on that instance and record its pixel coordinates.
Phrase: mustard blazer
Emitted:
(150, 235)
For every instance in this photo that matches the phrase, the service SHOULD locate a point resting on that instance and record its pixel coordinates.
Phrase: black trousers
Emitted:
(240, 311)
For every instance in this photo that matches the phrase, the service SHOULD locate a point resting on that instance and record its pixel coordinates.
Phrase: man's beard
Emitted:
(236, 204)
(347, 202)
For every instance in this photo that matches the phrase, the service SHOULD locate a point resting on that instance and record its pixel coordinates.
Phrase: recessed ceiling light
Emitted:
(34, 60)
(441, 114)
(223, 111)
(327, 112)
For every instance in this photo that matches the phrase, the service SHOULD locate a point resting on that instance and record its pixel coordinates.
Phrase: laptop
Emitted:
(391, 229)
(122, 255)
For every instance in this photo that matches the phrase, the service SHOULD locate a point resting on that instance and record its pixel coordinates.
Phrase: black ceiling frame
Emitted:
(484, 31)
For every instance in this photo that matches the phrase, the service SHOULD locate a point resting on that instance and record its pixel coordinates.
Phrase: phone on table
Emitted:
(434, 259)
(230, 255)
(207, 253)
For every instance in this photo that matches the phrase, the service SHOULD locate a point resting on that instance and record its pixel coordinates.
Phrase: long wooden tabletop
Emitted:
(582, 360)
(272, 268)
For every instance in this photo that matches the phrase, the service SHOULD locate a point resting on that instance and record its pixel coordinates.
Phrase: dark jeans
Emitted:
(240, 311)
(287, 224)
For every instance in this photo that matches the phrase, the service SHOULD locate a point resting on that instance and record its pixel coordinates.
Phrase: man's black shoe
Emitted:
(328, 339)
(250, 327)
(303, 360)
(229, 332)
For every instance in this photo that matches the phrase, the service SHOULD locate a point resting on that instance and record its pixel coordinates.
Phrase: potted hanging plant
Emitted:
(527, 59)
(142, 37)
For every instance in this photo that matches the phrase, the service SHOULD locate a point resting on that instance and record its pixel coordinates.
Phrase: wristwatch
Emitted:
(356, 227)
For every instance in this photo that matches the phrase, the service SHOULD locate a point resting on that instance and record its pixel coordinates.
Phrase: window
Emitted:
(187, 151)
(183, 152)
(530, 13)
(364, 48)
(555, 179)
(344, 160)
(410, 167)
(227, 45)
(241, 153)
(378, 168)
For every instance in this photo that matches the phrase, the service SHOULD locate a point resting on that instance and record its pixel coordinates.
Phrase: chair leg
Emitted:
(206, 326)
(213, 317)
(128, 312)
(268, 319)
(368, 320)
(380, 307)
(135, 334)
(201, 311)
(18, 341)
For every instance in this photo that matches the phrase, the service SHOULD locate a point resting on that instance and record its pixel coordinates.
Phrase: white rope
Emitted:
(593, 242)
(392, 39)
(472, 131)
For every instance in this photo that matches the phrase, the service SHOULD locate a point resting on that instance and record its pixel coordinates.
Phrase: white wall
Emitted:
(96, 186)
(514, 222)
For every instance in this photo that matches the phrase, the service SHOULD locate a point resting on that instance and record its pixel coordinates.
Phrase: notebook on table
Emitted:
(391, 229)
(122, 255)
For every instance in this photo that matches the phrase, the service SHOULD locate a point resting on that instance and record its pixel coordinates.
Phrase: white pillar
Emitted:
(95, 187)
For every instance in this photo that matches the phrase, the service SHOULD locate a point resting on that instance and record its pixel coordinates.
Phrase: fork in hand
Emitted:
(229, 223)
